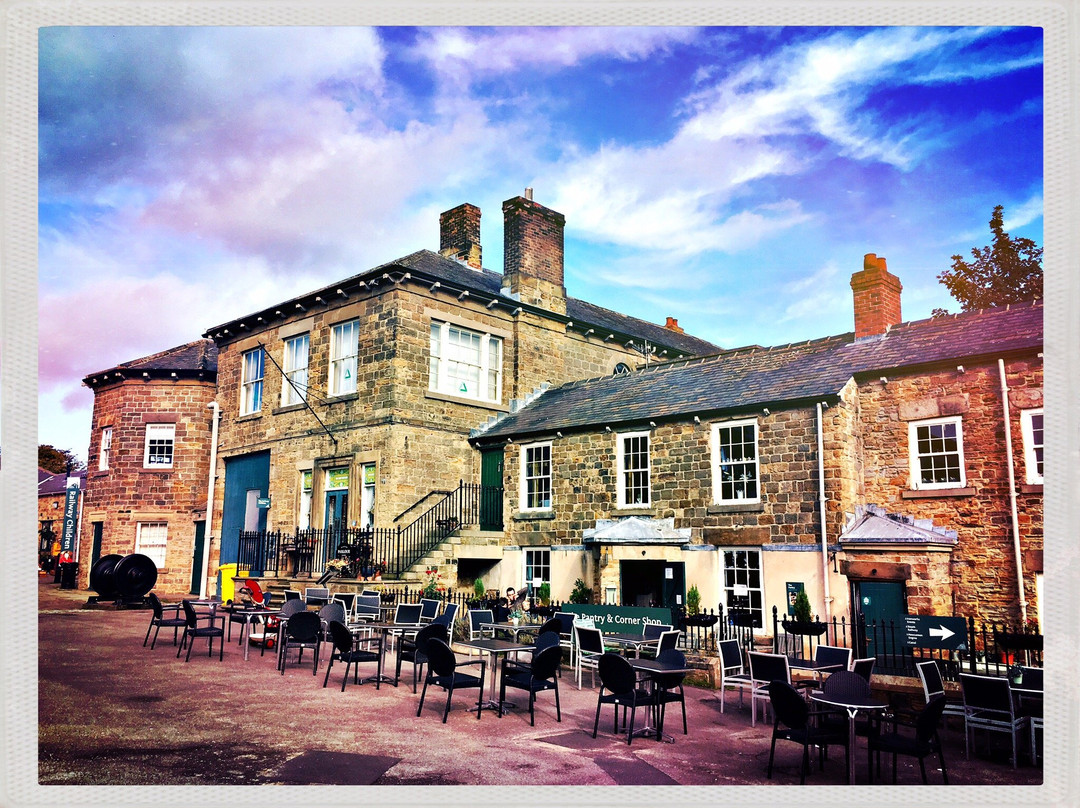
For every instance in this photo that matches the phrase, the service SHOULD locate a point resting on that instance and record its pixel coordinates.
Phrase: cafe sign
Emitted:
(621, 619)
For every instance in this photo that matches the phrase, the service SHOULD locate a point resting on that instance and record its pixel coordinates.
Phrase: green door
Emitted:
(196, 557)
(491, 489)
(882, 605)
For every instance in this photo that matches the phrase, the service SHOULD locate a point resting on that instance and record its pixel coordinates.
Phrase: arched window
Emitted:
(622, 367)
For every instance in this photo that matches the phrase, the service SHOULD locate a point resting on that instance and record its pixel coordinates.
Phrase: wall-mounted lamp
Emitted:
(832, 558)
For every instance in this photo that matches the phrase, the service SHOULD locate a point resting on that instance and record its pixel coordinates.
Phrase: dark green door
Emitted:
(882, 605)
(491, 489)
(673, 586)
(95, 550)
(197, 556)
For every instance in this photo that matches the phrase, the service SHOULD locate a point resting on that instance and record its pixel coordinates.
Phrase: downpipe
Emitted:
(209, 498)
(1012, 494)
(821, 507)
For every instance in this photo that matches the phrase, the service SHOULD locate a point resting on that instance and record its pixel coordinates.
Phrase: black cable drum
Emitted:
(134, 575)
(102, 579)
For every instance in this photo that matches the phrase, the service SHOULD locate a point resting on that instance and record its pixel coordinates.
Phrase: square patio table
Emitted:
(494, 647)
(852, 705)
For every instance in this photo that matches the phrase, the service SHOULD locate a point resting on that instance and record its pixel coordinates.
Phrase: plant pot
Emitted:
(812, 628)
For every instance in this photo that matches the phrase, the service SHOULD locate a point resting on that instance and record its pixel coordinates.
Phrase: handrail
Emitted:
(415, 504)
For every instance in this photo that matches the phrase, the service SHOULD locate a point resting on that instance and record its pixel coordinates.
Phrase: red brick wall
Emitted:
(127, 493)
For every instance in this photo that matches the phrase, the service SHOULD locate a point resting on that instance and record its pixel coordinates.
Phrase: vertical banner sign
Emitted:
(71, 519)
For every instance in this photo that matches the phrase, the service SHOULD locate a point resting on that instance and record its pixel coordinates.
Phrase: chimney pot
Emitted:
(672, 324)
(529, 194)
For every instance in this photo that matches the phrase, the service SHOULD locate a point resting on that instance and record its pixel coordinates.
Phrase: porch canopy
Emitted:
(636, 530)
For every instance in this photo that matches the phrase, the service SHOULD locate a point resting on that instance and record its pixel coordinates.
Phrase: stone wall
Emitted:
(126, 493)
(983, 569)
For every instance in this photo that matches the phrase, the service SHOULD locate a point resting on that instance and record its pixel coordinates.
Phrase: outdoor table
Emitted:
(384, 629)
(651, 667)
(852, 705)
(511, 628)
(815, 667)
(245, 629)
(635, 641)
(494, 648)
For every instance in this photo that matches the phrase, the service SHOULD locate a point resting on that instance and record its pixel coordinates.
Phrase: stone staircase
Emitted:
(464, 543)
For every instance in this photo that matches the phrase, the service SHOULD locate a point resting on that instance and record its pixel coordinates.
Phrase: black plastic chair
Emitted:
(346, 648)
(620, 682)
(733, 674)
(414, 650)
(193, 631)
(988, 704)
(795, 721)
(922, 743)
(443, 672)
(669, 686)
(540, 675)
(159, 618)
(302, 630)
(290, 607)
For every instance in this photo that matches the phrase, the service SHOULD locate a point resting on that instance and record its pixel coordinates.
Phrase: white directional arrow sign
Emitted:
(927, 631)
(941, 632)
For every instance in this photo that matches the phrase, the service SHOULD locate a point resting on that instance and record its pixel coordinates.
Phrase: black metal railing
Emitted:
(306, 552)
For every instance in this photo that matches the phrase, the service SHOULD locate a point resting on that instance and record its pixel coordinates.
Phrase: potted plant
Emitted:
(693, 600)
(432, 587)
(515, 616)
(802, 622)
(477, 600)
(338, 565)
(543, 594)
(580, 592)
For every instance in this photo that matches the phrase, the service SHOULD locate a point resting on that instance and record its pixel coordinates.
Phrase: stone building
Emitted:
(870, 469)
(52, 499)
(349, 408)
(149, 463)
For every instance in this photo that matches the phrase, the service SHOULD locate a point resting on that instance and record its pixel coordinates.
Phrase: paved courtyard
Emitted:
(113, 712)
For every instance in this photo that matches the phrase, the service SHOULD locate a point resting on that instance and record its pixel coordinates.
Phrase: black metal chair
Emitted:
(864, 667)
(924, 742)
(414, 650)
(443, 672)
(302, 630)
(668, 687)
(168, 616)
(290, 607)
(540, 675)
(934, 685)
(193, 631)
(347, 649)
(619, 687)
(795, 721)
(988, 704)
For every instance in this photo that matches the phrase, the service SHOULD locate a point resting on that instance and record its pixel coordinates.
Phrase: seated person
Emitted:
(503, 606)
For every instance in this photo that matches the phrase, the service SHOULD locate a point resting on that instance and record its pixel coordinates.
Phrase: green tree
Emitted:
(56, 460)
(1007, 271)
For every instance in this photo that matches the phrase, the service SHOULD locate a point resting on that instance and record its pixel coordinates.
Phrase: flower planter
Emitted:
(812, 628)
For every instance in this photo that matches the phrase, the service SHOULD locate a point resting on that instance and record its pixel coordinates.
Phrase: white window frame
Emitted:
(252, 368)
(157, 433)
(152, 541)
(344, 354)
(526, 450)
(295, 349)
(917, 483)
(624, 474)
(303, 520)
(106, 448)
(1033, 444)
(741, 576)
(719, 484)
(445, 354)
(528, 563)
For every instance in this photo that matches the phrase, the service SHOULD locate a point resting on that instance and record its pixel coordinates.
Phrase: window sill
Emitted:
(288, 408)
(353, 396)
(737, 507)
(105, 473)
(532, 516)
(934, 493)
(251, 416)
(468, 402)
(1031, 488)
(157, 469)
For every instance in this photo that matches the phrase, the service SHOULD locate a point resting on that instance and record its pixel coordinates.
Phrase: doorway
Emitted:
(491, 489)
(881, 604)
(659, 584)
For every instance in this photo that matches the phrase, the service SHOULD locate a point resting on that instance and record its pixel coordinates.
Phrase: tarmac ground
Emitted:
(112, 712)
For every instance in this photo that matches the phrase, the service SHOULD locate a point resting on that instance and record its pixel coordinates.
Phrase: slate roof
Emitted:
(50, 484)
(455, 277)
(758, 377)
(874, 525)
(193, 358)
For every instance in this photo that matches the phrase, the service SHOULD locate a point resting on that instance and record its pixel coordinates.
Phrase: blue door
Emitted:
(246, 479)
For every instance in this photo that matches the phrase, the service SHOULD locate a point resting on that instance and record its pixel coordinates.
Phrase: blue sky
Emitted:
(730, 177)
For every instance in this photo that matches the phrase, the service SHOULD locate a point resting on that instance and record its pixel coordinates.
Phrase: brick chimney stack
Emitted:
(459, 234)
(673, 325)
(877, 298)
(533, 253)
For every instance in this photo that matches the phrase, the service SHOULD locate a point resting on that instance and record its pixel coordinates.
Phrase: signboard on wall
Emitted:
(946, 633)
(337, 478)
(793, 590)
(621, 619)
(71, 518)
